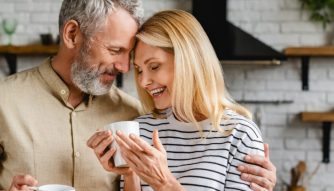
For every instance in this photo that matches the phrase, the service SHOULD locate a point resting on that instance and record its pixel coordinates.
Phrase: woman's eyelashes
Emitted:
(151, 67)
(154, 66)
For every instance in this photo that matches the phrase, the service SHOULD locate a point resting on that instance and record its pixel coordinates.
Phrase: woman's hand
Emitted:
(100, 143)
(22, 182)
(149, 163)
(261, 175)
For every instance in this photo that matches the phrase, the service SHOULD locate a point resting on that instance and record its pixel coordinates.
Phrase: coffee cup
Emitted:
(53, 187)
(127, 128)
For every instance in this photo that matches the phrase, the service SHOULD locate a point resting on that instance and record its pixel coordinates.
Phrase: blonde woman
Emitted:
(203, 134)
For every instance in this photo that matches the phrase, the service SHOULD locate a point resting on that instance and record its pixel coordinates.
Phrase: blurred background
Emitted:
(277, 86)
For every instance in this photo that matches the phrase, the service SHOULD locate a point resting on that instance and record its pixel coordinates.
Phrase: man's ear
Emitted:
(71, 34)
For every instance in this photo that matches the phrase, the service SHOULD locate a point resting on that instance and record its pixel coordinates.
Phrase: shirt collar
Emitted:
(58, 86)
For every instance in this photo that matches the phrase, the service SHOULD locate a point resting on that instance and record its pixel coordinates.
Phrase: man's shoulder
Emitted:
(19, 79)
(18, 85)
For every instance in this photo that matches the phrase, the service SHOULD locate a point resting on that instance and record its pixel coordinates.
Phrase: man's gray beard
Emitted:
(88, 79)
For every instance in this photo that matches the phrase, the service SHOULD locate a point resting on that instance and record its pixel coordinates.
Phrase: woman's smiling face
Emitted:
(155, 68)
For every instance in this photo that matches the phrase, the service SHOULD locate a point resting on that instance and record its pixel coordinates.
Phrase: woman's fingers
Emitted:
(157, 143)
(129, 149)
(144, 146)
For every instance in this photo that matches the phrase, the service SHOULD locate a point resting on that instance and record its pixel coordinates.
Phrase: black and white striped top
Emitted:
(204, 164)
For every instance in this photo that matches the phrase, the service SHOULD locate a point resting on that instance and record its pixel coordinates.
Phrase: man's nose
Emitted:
(123, 64)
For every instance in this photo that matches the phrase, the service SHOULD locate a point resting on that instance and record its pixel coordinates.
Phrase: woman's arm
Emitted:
(132, 182)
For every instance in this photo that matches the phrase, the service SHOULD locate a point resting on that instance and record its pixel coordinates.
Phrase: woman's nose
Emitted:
(145, 80)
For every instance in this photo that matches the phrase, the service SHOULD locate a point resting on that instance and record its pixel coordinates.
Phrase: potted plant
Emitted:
(321, 10)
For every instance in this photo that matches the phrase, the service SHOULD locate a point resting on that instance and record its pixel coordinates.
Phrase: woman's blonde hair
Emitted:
(198, 87)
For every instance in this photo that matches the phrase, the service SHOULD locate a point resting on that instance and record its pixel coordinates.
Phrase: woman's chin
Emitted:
(162, 107)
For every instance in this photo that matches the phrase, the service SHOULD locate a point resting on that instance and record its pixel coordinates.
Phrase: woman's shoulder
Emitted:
(151, 120)
(241, 124)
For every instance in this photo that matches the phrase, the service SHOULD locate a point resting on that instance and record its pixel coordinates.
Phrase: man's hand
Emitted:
(260, 178)
(22, 182)
(100, 142)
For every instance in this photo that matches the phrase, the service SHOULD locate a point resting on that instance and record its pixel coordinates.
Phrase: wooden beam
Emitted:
(317, 116)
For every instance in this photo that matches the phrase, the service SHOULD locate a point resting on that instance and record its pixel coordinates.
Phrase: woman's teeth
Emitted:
(157, 91)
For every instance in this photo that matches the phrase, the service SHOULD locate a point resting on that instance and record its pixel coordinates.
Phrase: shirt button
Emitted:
(63, 92)
(74, 114)
(77, 154)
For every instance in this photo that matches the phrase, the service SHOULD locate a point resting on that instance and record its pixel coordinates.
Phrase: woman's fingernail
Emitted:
(132, 136)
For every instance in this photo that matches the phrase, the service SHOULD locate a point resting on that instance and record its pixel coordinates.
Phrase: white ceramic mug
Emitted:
(53, 187)
(126, 127)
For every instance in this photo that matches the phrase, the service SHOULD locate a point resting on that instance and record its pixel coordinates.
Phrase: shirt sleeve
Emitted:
(245, 139)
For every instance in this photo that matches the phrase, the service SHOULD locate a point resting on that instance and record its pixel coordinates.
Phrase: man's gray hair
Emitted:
(92, 14)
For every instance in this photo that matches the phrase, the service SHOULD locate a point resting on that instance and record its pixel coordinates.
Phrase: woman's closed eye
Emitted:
(154, 66)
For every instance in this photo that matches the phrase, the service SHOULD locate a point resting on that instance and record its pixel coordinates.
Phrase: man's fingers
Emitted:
(252, 169)
(104, 144)
(21, 180)
(256, 171)
(259, 181)
(256, 187)
(107, 156)
(266, 150)
(261, 161)
(98, 137)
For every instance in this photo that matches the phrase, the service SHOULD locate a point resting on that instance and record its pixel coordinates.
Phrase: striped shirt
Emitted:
(205, 164)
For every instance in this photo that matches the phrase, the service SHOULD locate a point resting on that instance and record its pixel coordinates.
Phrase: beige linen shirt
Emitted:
(43, 135)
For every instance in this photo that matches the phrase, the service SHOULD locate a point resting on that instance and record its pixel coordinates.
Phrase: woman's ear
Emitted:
(71, 34)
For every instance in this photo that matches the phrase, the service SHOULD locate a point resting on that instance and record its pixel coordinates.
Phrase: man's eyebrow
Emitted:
(113, 47)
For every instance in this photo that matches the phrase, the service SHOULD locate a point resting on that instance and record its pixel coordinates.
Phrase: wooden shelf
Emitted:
(317, 116)
(326, 118)
(311, 51)
(11, 52)
(305, 53)
(29, 49)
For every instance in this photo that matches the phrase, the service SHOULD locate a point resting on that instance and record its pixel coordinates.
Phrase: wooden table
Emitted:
(326, 118)
(11, 52)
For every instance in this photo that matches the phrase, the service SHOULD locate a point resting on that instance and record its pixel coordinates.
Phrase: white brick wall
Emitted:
(279, 23)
